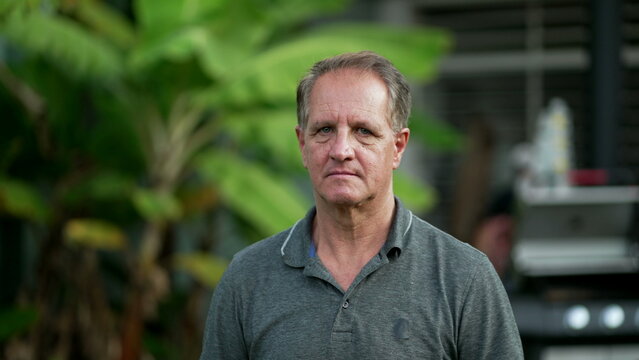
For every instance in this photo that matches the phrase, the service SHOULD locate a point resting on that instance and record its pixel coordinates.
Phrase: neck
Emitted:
(353, 230)
(347, 237)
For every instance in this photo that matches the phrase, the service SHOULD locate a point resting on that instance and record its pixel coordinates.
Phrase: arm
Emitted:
(487, 326)
(223, 335)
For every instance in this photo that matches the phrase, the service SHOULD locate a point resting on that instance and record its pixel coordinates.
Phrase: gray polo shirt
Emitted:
(425, 295)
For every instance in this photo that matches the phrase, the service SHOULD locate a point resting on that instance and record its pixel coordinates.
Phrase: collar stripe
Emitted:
(410, 223)
(288, 237)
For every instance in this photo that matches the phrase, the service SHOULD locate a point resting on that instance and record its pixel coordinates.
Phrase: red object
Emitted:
(588, 177)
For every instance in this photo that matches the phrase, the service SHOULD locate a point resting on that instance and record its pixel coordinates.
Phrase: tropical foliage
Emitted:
(142, 144)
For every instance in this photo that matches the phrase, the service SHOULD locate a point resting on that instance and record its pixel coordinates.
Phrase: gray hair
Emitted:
(396, 84)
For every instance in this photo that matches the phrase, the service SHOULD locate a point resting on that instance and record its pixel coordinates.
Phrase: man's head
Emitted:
(399, 103)
(351, 136)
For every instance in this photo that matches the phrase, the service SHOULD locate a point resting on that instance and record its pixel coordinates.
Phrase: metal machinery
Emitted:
(576, 259)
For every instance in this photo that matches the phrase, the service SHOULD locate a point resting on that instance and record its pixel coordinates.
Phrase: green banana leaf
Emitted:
(270, 129)
(414, 194)
(287, 12)
(171, 30)
(272, 76)
(9, 6)
(184, 43)
(95, 234)
(206, 268)
(107, 22)
(165, 16)
(157, 205)
(433, 133)
(263, 198)
(62, 41)
(20, 199)
(100, 186)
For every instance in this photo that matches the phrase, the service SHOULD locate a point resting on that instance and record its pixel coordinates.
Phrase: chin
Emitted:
(345, 199)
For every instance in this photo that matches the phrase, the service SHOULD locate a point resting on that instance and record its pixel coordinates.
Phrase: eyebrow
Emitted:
(320, 124)
(367, 125)
(356, 123)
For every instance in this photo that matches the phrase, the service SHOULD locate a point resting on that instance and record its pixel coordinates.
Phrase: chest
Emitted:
(386, 315)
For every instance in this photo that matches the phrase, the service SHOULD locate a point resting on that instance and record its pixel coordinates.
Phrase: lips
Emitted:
(341, 173)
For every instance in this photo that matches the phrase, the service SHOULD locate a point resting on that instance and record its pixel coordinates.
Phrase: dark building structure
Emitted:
(574, 273)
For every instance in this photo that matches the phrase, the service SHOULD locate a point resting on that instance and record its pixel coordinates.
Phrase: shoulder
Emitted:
(250, 265)
(458, 268)
(452, 264)
(263, 253)
(432, 240)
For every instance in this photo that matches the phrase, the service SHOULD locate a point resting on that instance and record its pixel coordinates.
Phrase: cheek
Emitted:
(312, 156)
(381, 157)
(377, 163)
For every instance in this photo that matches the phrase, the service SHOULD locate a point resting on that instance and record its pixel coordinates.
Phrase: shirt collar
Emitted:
(402, 222)
(297, 241)
(295, 249)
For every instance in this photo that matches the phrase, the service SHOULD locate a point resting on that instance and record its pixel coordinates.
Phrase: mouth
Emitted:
(341, 173)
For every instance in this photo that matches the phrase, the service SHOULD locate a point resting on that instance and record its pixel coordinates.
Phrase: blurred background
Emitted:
(143, 143)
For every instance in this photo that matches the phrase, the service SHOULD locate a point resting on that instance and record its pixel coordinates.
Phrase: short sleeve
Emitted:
(223, 335)
(487, 326)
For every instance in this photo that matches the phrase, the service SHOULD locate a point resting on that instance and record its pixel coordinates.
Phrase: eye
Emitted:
(325, 130)
(363, 131)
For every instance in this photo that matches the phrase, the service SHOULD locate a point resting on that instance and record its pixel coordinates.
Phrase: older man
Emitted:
(360, 277)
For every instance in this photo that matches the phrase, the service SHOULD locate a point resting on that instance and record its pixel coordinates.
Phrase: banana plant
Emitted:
(181, 107)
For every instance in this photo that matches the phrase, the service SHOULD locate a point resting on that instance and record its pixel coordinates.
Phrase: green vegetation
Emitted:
(129, 134)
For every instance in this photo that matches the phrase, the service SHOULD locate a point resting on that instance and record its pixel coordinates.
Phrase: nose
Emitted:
(341, 149)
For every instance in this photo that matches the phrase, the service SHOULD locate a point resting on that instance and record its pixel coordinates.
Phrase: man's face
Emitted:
(348, 145)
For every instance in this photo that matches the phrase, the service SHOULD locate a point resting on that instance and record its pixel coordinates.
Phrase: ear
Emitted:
(401, 141)
(299, 132)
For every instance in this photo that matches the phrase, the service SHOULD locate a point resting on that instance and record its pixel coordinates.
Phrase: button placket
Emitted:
(343, 325)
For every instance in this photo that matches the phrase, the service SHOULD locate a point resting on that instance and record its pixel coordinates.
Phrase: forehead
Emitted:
(348, 91)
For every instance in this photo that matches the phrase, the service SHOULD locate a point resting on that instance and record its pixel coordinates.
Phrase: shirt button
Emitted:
(345, 304)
